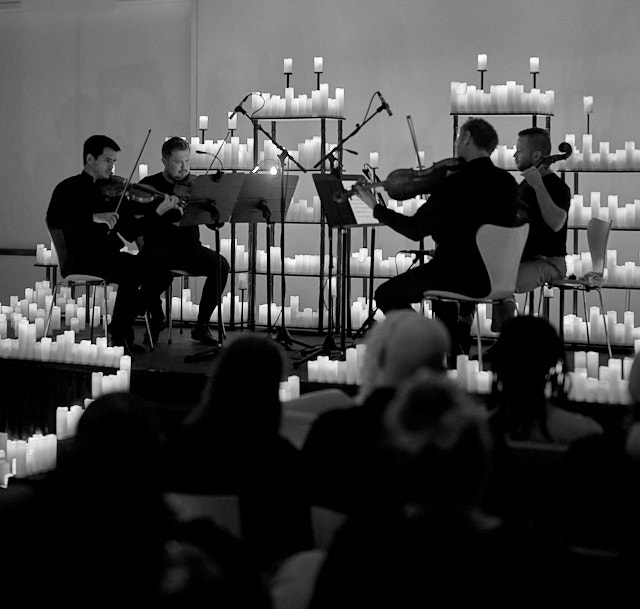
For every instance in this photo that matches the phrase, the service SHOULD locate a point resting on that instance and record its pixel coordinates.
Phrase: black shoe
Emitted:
(203, 334)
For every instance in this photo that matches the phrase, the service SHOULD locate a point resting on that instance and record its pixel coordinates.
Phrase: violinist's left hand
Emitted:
(169, 202)
(533, 177)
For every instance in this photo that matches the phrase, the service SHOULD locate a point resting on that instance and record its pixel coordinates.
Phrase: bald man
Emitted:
(350, 468)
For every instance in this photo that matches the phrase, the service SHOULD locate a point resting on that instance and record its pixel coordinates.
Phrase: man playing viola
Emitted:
(479, 193)
(179, 247)
(545, 200)
(91, 227)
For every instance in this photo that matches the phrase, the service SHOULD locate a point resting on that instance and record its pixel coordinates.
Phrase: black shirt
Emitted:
(542, 240)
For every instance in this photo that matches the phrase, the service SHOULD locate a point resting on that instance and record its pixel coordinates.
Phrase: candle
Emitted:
(232, 120)
(288, 65)
(374, 159)
(482, 62)
(534, 65)
(588, 104)
(143, 171)
(203, 122)
(317, 64)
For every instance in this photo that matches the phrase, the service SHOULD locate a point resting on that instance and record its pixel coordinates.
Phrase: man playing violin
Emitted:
(545, 201)
(179, 247)
(91, 227)
(478, 193)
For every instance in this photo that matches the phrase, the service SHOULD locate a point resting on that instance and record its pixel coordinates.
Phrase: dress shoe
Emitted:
(203, 334)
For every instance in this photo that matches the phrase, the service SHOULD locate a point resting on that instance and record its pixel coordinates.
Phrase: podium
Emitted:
(344, 215)
(261, 200)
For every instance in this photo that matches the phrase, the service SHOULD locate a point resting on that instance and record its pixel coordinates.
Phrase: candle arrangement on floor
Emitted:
(290, 389)
(626, 216)
(627, 159)
(510, 98)
(360, 263)
(46, 256)
(302, 211)
(348, 372)
(591, 382)
(469, 377)
(183, 308)
(22, 458)
(620, 333)
(293, 316)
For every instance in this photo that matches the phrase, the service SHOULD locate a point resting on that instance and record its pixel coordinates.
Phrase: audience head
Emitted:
(527, 357)
(441, 439)
(400, 344)
(243, 395)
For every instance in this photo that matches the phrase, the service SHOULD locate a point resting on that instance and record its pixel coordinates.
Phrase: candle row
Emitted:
(469, 377)
(293, 316)
(626, 216)
(101, 383)
(290, 389)
(318, 104)
(603, 160)
(626, 275)
(46, 256)
(237, 155)
(189, 309)
(241, 255)
(510, 98)
(360, 263)
(620, 333)
(591, 382)
(67, 419)
(348, 372)
(303, 211)
(303, 264)
(21, 458)
(408, 207)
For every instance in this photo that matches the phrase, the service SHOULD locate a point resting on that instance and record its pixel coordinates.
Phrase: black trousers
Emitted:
(199, 261)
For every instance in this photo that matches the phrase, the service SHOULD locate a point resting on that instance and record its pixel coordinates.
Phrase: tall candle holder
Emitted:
(242, 291)
(202, 132)
(317, 80)
(534, 74)
(482, 78)
(288, 77)
(588, 123)
(288, 69)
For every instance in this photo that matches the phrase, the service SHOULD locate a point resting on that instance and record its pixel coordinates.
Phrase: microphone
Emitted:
(239, 108)
(385, 105)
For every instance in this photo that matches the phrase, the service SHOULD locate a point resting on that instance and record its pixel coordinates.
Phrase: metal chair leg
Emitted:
(170, 308)
(604, 318)
(586, 318)
(479, 338)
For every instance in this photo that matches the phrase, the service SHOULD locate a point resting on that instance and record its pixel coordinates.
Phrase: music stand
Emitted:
(213, 197)
(260, 200)
(343, 216)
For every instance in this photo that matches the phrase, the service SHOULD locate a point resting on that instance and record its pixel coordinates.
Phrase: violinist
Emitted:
(545, 201)
(478, 193)
(92, 229)
(179, 247)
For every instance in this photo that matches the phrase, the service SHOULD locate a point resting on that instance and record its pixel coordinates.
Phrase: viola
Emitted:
(402, 184)
(116, 186)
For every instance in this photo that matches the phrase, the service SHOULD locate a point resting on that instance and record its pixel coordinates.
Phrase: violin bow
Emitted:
(126, 184)
(412, 131)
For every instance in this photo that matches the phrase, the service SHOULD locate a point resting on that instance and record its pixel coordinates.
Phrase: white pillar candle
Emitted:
(534, 65)
(203, 122)
(317, 64)
(232, 120)
(61, 422)
(288, 65)
(374, 159)
(587, 104)
(593, 361)
(482, 61)
(143, 171)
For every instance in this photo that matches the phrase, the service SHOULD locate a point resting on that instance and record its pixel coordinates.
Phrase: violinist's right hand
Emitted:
(110, 218)
(168, 203)
(365, 194)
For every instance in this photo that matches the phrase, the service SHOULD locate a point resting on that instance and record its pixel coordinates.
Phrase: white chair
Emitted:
(597, 237)
(501, 249)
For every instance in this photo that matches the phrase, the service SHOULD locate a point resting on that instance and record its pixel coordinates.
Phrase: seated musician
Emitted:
(92, 226)
(545, 200)
(179, 247)
(478, 193)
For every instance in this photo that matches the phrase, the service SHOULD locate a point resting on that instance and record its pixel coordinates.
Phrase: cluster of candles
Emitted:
(46, 256)
(316, 105)
(360, 263)
(485, 322)
(627, 216)
(620, 333)
(360, 311)
(67, 419)
(469, 377)
(348, 372)
(302, 211)
(120, 382)
(241, 253)
(237, 155)
(510, 98)
(408, 207)
(186, 310)
(290, 389)
(21, 458)
(626, 275)
(293, 316)
(603, 160)
(591, 382)
(302, 264)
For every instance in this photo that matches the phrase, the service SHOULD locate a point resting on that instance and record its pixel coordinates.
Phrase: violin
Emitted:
(116, 186)
(402, 184)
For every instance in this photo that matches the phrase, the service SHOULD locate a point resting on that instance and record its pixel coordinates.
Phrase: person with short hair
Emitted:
(179, 247)
(92, 228)
(478, 193)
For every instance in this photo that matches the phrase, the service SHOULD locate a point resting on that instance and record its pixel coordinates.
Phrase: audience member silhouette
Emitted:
(349, 465)
(231, 444)
(436, 548)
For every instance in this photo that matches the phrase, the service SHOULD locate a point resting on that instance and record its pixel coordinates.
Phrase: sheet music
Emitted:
(362, 213)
